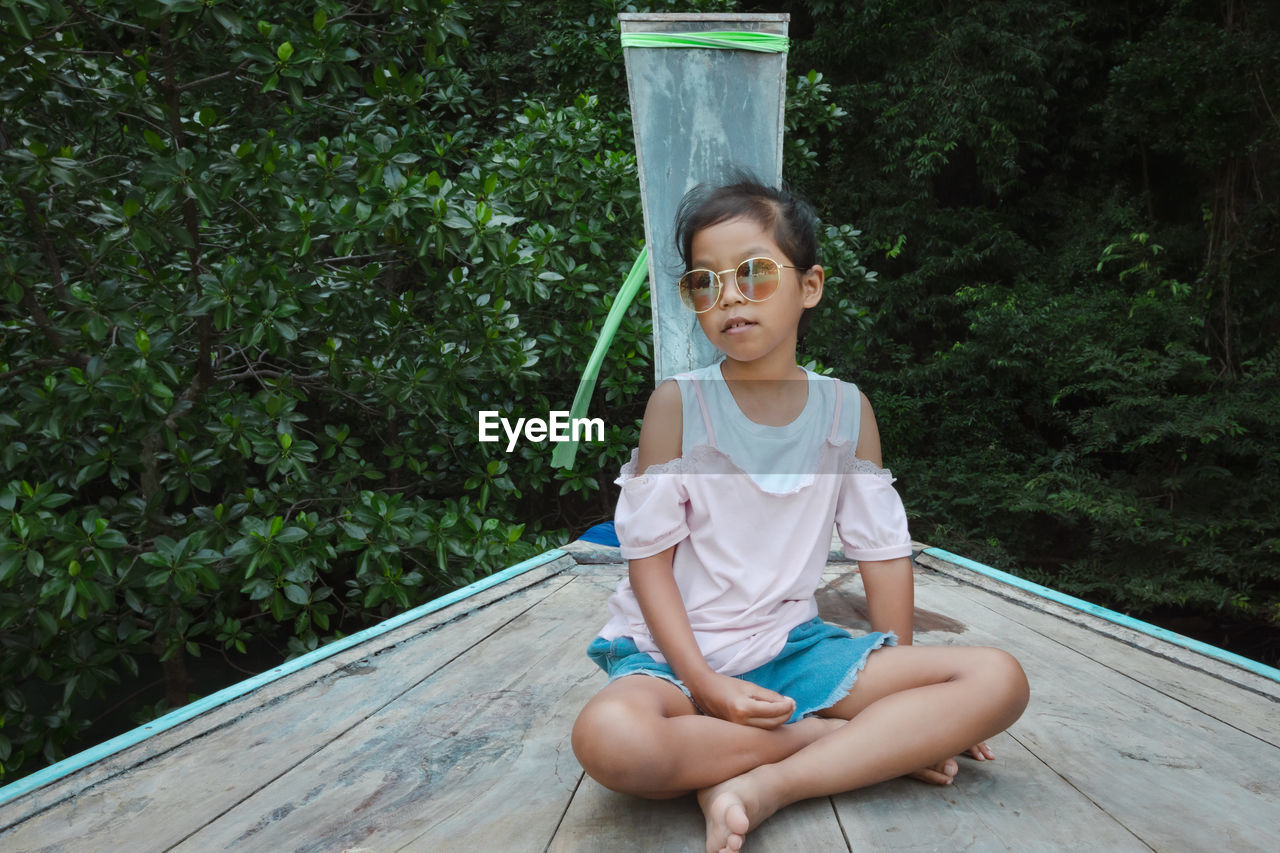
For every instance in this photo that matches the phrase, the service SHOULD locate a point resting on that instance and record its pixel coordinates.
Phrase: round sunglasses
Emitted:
(757, 279)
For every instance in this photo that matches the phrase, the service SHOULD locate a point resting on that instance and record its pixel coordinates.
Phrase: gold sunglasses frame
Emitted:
(720, 283)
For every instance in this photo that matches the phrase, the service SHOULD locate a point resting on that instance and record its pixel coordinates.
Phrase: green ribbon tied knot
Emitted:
(716, 39)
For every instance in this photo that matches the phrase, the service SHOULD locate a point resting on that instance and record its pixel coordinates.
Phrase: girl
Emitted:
(722, 678)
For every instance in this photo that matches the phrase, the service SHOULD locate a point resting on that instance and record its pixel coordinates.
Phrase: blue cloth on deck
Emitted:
(602, 534)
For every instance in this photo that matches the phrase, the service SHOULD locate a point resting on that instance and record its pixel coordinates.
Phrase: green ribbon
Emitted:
(718, 39)
(563, 455)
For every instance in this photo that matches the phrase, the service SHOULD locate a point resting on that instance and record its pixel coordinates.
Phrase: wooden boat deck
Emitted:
(451, 733)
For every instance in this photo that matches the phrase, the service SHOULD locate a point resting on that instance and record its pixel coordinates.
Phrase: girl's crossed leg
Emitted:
(911, 707)
(641, 735)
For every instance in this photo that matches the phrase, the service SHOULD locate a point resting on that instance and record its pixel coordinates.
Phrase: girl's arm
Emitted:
(890, 590)
(652, 578)
(723, 696)
(653, 582)
(889, 584)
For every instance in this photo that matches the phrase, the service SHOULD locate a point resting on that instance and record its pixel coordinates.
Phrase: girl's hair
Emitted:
(776, 209)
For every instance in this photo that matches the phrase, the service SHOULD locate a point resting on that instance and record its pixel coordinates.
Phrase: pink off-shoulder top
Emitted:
(749, 557)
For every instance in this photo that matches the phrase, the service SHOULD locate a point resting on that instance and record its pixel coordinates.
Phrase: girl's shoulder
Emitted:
(844, 403)
(661, 430)
(664, 398)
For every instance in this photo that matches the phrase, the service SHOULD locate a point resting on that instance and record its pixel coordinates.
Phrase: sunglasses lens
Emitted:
(698, 289)
(758, 278)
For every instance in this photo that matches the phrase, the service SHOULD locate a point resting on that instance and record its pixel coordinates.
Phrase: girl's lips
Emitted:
(737, 326)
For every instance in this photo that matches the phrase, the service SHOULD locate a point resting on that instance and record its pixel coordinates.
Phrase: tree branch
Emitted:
(46, 325)
(31, 206)
(191, 219)
(194, 84)
(38, 364)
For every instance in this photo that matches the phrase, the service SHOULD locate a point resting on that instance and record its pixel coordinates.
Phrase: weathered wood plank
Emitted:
(1173, 776)
(600, 819)
(476, 757)
(183, 778)
(1015, 802)
(457, 739)
(808, 825)
(1180, 673)
(1012, 803)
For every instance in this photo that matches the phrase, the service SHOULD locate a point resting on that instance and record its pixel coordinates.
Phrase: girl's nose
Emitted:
(729, 292)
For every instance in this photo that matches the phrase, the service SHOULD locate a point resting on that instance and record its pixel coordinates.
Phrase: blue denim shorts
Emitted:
(817, 666)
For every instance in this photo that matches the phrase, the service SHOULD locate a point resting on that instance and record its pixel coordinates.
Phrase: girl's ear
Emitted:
(811, 281)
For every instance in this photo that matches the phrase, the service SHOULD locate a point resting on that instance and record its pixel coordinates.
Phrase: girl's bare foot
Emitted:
(728, 814)
(732, 808)
(942, 773)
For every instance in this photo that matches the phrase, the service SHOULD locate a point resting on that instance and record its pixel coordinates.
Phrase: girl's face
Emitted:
(747, 331)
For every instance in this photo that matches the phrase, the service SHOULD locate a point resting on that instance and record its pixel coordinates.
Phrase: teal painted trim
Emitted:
(1110, 615)
(108, 748)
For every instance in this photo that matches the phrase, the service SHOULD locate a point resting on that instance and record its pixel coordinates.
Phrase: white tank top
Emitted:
(779, 459)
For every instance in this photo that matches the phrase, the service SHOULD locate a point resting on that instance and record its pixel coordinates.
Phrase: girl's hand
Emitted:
(742, 702)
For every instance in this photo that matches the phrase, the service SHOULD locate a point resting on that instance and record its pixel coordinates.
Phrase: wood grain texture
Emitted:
(169, 786)
(1175, 777)
(476, 757)
(1234, 696)
(1012, 803)
(1125, 638)
(454, 736)
(600, 819)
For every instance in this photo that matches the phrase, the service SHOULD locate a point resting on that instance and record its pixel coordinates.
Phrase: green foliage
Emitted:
(263, 265)
(561, 49)
(1059, 394)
